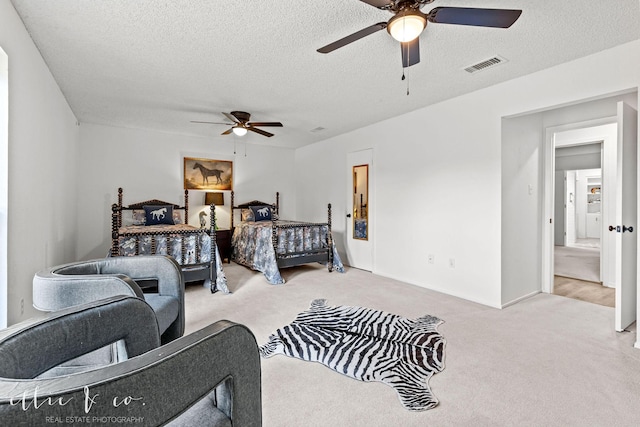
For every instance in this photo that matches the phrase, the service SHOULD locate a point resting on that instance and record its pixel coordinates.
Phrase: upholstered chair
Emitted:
(67, 285)
(210, 377)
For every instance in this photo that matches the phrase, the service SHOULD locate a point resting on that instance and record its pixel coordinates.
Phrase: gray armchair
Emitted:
(81, 282)
(209, 377)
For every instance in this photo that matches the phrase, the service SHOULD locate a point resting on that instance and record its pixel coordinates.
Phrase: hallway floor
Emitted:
(584, 291)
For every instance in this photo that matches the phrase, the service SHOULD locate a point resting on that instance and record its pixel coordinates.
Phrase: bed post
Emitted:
(274, 239)
(186, 206)
(212, 223)
(213, 263)
(232, 206)
(114, 230)
(329, 239)
(119, 207)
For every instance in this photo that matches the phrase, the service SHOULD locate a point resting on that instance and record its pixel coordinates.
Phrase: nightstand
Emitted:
(223, 240)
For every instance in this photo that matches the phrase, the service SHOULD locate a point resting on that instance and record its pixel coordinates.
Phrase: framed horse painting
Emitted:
(207, 174)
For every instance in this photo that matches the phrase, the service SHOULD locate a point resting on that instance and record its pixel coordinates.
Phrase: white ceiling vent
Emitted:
(483, 65)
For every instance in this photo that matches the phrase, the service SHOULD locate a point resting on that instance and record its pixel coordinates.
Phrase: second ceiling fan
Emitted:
(408, 22)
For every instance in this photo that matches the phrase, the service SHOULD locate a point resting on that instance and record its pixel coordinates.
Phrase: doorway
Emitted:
(619, 207)
(578, 228)
(579, 194)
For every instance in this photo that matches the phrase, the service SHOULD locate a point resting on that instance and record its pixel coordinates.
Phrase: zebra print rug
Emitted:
(367, 345)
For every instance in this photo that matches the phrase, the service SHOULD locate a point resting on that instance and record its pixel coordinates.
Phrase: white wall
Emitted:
(43, 152)
(521, 199)
(439, 178)
(149, 165)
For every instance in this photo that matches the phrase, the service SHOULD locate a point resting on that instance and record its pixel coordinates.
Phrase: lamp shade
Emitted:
(239, 130)
(214, 199)
(407, 25)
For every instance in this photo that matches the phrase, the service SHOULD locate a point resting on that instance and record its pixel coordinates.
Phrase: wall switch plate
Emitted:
(430, 258)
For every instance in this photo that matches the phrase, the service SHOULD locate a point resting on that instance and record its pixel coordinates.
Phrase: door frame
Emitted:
(569, 225)
(549, 163)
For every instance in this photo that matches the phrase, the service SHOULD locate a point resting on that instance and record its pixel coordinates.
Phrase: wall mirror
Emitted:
(360, 202)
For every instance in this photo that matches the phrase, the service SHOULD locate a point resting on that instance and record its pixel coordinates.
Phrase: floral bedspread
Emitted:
(168, 241)
(252, 245)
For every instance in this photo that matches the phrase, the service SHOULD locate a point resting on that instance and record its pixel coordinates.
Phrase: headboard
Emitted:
(275, 206)
(118, 208)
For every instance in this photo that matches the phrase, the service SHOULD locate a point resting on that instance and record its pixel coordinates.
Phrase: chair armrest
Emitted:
(32, 347)
(162, 268)
(52, 291)
(157, 385)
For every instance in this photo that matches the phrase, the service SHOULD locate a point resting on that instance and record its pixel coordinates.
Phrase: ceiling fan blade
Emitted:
(260, 131)
(212, 123)
(227, 132)
(410, 52)
(230, 117)
(353, 37)
(380, 4)
(276, 124)
(497, 18)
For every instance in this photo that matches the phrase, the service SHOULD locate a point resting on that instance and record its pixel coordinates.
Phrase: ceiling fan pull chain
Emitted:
(407, 80)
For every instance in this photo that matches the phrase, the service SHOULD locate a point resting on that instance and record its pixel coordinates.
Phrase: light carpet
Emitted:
(545, 361)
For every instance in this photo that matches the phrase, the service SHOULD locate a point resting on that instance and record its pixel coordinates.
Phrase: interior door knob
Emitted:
(612, 228)
(625, 228)
(348, 215)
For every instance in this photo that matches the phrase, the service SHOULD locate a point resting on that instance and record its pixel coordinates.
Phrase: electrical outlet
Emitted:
(430, 258)
(452, 263)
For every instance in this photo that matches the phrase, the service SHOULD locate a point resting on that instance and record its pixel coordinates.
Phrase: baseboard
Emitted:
(517, 300)
(637, 344)
(436, 289)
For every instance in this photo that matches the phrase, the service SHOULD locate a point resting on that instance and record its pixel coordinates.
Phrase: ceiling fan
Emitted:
(241, 124)
(408, 22)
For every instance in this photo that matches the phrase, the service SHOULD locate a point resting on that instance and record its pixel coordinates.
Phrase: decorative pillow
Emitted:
(139, 217)
(177, 216)
(261, 213)
(247, 215)
(155, 215)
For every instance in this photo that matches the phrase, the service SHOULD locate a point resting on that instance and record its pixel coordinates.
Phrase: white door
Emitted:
(360, 205)
(626, 217)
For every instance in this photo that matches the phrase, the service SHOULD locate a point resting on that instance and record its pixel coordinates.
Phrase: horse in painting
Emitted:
(206, 173)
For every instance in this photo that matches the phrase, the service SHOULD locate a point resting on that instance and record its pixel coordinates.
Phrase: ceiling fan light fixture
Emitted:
(407, 24)
(239, 130)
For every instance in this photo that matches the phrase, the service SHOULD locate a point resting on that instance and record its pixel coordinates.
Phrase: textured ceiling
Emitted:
(160, 64)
